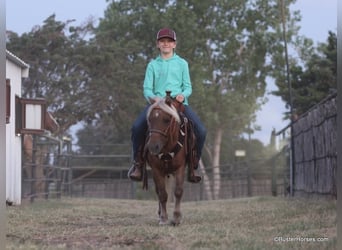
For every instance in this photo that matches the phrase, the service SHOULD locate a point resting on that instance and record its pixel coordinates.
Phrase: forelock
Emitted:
(165, 107)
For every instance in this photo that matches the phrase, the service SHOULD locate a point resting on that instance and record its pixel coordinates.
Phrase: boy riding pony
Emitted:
(167, 72)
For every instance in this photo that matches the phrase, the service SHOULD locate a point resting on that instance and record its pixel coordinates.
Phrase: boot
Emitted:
(135, 172)
(191, 172)
(193, 178)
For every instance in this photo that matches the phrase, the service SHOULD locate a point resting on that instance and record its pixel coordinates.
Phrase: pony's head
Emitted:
(163, 126)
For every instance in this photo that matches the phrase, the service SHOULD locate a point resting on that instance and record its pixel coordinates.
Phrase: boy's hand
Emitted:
(180, 98)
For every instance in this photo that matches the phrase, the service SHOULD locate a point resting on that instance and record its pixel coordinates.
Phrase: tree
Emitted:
(58, 68)
(230, 45)
(313, 77)
(241, 38)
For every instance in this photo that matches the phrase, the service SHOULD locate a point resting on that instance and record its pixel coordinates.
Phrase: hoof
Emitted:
(174, 223)
(163, 223)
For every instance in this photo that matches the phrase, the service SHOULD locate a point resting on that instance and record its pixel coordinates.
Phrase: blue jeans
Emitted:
(139, 129)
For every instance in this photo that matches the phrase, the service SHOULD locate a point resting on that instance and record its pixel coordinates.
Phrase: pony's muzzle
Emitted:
(154, 148)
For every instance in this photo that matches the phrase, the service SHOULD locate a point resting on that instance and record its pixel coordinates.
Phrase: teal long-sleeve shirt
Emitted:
(170, 74)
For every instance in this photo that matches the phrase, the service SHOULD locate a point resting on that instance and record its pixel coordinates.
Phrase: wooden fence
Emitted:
(315, 150)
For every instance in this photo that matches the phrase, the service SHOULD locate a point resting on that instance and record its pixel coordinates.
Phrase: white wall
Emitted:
(13, 142)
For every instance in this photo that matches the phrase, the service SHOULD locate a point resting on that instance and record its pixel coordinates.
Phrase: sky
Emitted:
(318, 17)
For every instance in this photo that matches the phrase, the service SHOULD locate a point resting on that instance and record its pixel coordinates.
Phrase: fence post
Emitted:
(59, 171)
(69, 166)
(249, 183)
(70, 180)
(33, 169)
(133, 189)
(274, 178)
(233, 179)
(201, 190)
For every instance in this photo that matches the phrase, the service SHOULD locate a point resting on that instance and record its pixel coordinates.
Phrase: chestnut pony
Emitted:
(166, 152)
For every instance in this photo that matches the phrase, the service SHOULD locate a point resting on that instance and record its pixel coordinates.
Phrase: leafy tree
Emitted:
(313, 77)
(58, 68)
(230, 45)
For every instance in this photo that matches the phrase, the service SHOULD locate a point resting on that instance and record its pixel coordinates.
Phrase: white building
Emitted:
(16, 70)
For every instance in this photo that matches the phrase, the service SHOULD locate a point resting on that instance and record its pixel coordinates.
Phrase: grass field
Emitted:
(249, 223)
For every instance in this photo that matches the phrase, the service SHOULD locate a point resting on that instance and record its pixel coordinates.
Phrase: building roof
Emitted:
(20, 63)
(10, 56)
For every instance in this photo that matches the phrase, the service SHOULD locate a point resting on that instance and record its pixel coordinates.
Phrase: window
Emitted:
(30, 117)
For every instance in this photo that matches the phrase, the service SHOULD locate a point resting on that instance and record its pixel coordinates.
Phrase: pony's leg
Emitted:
(177, 215)
(159, 205)
(169, 183)
(159, 181)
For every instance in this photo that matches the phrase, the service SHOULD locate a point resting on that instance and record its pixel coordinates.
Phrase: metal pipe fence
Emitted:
(54, 171)
(250, 178)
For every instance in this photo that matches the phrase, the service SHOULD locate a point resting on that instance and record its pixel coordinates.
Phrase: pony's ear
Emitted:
(168, 98)
(154, 99)
(151, 100)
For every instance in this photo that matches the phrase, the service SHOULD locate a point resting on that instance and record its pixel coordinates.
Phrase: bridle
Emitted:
(158, 131)
(167, 156)
(161, 132)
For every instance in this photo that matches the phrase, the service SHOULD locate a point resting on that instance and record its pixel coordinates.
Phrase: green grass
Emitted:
(249, 223)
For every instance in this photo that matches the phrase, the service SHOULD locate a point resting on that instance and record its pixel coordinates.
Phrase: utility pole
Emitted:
(288, 79)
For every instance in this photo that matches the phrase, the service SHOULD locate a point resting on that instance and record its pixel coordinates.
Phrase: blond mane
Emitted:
(165, 107)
